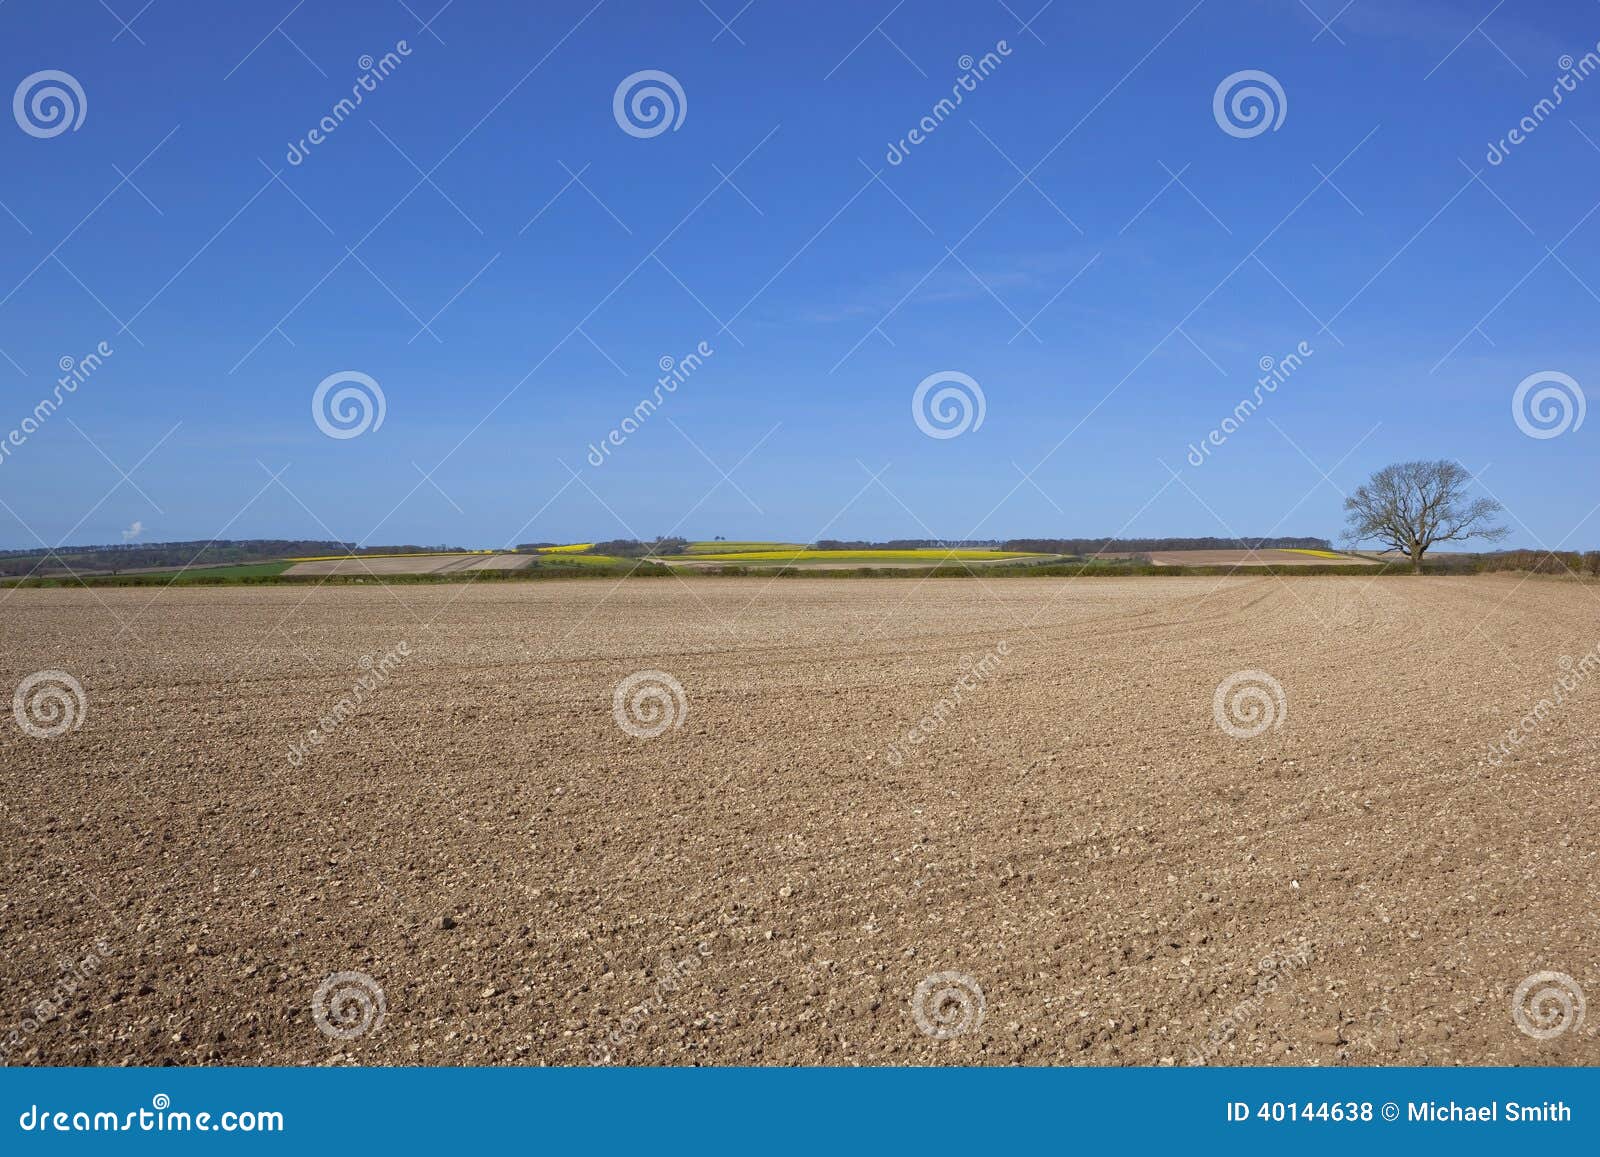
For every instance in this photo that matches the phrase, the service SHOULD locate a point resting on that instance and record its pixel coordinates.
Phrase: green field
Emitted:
(242, 570)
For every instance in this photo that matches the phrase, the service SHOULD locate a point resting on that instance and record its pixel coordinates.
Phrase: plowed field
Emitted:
(1025, 795)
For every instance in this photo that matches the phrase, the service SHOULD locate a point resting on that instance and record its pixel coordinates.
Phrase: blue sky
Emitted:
(513, 306)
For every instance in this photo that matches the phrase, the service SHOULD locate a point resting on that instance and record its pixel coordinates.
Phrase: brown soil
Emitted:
(501, 562)
(411, 564)
(770, 882)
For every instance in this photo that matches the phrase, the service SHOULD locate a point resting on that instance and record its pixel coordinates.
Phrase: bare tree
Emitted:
(1410, 506)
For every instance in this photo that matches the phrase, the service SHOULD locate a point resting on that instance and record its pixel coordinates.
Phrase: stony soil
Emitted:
(413, 564)
(769, 882)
